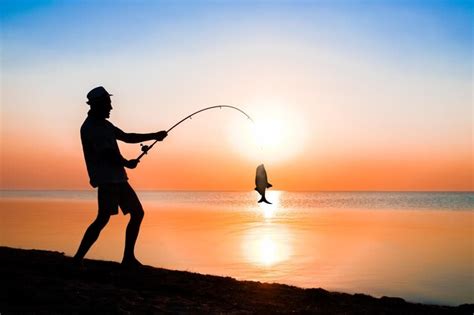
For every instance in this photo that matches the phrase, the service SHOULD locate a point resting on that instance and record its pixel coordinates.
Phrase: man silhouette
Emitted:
(106, 169)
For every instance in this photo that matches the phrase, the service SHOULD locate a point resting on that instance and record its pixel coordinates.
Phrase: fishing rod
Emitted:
(146, 148)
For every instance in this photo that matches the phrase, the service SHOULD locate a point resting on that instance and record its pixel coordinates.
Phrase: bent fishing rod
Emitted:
(146, 148)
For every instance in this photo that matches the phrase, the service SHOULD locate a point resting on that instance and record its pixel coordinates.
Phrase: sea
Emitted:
(415, 245)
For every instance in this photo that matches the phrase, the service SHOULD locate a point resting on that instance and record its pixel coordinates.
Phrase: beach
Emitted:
(45, 282)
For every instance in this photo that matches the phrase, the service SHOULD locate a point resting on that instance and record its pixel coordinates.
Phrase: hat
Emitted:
(97, 93)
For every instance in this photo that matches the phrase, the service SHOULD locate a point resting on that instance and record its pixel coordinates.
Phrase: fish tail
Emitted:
(264, 200)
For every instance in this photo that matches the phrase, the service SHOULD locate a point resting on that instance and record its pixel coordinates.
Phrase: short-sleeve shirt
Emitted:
(99, 143)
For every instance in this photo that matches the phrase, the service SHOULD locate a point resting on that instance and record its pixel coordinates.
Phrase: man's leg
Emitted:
(91, 235)
(131, 235)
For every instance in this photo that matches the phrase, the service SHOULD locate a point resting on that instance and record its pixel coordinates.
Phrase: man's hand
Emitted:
(160, 135)
(131, 163)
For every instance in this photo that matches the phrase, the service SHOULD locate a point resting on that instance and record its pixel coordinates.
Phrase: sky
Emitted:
(346, 95)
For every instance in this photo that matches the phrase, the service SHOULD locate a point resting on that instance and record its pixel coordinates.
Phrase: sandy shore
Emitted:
(36, 281)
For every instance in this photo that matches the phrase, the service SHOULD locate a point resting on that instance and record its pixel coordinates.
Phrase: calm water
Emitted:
(418, 246)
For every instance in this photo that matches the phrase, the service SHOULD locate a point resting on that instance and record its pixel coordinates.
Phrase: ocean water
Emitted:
(297, 200)
(415, 245)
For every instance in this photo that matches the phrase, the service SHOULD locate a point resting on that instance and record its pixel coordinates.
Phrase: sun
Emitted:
(277, 134)
(269, 133)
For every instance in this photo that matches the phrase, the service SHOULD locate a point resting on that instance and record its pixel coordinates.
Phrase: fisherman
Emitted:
(106, 169)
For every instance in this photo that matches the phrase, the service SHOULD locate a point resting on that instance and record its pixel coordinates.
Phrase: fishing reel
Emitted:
(144, 148)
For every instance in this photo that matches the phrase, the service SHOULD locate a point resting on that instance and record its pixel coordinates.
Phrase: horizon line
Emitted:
(198, 190)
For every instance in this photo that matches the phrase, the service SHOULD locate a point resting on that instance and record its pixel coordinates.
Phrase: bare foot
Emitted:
(78, 264)
(131, 263)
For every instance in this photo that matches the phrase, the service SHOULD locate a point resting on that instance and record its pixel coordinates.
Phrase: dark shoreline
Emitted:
(35, 281)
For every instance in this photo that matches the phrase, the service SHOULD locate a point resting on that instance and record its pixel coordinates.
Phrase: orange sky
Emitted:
(26, 165)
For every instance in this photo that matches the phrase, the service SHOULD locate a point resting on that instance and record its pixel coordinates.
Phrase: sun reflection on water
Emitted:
(267, 243)
(269, 210)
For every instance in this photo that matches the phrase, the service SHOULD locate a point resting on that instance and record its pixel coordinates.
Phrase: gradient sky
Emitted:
(353, 95)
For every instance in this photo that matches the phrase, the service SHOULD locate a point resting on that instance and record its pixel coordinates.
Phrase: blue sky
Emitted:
(77, 27)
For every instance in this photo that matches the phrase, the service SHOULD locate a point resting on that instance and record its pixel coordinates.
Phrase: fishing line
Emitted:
(146, 148)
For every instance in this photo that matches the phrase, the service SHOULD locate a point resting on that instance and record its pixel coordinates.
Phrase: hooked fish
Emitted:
(261, 183)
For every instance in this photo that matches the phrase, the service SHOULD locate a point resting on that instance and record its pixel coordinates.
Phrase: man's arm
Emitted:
(139, 137)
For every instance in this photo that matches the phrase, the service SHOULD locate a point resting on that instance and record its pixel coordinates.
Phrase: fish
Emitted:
(261, 183)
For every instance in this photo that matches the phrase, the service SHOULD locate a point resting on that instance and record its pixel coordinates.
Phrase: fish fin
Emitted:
(264, 200)
(269, 185)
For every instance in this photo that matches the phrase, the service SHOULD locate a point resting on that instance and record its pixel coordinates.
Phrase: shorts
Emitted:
(114, 195)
